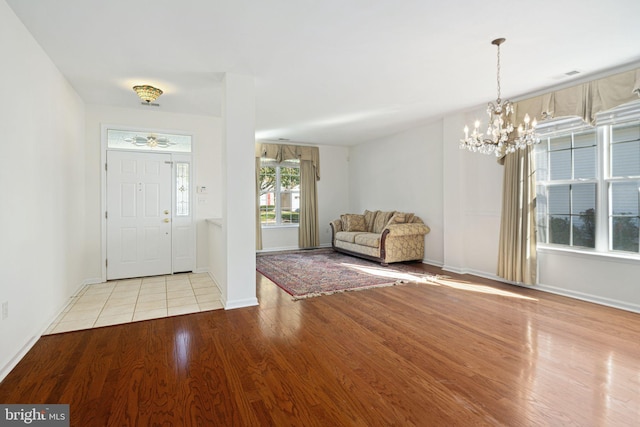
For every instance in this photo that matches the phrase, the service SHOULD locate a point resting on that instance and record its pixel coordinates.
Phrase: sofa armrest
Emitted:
(406, 229)
(336, 225)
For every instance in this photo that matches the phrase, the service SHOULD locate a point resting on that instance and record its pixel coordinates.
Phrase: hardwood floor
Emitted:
(464, 353)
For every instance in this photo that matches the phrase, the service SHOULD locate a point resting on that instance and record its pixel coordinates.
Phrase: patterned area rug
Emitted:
(311, 273)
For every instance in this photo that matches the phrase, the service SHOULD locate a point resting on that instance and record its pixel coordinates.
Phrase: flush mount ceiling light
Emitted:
(499, 138)
(147, 93)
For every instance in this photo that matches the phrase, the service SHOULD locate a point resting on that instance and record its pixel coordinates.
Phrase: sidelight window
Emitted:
(182, 189)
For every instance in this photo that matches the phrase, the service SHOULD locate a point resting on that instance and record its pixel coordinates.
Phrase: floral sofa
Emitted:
(381, 236)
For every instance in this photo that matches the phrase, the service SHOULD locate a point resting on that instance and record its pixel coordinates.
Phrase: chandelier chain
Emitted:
(498, 74)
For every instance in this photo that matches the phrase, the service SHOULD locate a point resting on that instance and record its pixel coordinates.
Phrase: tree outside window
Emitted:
(279, 192)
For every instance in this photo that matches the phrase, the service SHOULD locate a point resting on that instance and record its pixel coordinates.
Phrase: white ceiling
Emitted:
(335, 72)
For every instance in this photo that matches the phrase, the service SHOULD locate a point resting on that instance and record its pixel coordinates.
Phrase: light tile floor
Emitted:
(130, 300)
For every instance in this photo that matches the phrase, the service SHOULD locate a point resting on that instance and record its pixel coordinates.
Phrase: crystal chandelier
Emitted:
(499, 139)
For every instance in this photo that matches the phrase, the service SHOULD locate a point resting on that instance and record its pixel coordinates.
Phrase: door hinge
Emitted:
(105, 167)
(106, 263)
(106, 215)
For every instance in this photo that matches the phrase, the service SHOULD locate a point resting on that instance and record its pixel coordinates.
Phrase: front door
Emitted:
(138, 214)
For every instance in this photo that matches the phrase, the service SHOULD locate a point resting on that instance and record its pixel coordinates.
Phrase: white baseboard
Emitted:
(230, 305)
(291, 248)
(215, 280)
(280, 249)
(93, 281)
(488, 276)
(240, 303)
(454, 269)
(433, 262)
(201, 270)
(622, 305)
(596, 299)
(4, 371)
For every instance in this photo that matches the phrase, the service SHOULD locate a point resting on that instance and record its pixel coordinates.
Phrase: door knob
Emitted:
(166, 212)
(166, 220)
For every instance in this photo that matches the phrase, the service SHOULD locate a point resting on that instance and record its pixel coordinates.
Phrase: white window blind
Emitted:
(588, 183)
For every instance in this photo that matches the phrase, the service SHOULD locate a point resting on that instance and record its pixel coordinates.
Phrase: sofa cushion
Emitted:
(416, 220)
(358, 249)
(397, 218)
(400, 218)
(353, 222)
(382, 218)
(368, 239)
(347, 236)
(369, 218)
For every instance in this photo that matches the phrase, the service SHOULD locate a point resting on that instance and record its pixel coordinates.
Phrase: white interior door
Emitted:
(139, 214)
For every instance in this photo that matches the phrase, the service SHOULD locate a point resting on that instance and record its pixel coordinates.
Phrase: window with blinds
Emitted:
(567, 178)
(588, 186)
(624, 183)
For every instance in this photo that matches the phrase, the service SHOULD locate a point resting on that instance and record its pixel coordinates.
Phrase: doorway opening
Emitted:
(148, 223)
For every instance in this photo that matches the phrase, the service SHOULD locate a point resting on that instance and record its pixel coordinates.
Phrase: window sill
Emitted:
(589, 254)
(272, 227)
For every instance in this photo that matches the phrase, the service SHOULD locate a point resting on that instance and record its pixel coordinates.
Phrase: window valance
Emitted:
(281, 152)
(583, 100)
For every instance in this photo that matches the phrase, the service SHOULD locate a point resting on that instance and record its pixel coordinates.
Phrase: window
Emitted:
(182, 189)
(147, 141)
(279, 192)
(624, 182)
(566, 175)
(588, 186)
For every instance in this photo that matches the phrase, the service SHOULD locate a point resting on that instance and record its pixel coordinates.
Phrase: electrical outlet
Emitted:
(5, 310)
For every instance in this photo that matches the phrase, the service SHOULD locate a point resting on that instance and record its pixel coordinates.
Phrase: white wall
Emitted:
(333, 188)
(41, 190)
(473, 202)
(333, 200)
(207, 140)
(605, 280)
(238, 286)
(403, 172)
(217, 251)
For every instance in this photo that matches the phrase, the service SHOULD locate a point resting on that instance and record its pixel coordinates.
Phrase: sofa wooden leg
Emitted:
(384, 264)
